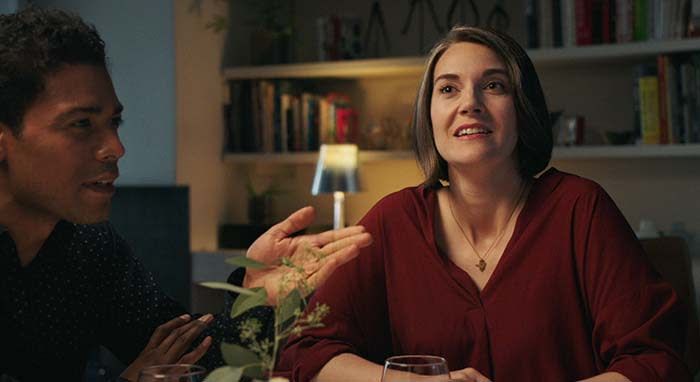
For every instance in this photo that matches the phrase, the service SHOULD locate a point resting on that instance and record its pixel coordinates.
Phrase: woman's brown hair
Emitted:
(534, 147)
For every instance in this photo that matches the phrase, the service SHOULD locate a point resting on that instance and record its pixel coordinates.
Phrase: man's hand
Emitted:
(318, 255)
(168, 343)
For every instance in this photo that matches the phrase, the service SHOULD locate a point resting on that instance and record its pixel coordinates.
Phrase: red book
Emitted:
(584, 22)
(345, 125)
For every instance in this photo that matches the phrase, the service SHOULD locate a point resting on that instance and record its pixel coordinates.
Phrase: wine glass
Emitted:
(415, 368)
(173, 373)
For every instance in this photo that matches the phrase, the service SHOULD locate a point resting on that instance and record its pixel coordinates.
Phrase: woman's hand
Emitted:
(168, 343)
(468, 375)
(317, 255)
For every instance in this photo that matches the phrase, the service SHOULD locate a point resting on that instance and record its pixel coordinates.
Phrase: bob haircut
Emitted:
(534, 147)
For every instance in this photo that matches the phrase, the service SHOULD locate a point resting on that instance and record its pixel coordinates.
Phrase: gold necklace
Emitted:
(482, 259)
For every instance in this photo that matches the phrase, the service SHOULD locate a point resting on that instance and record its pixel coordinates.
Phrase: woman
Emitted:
(509, 277)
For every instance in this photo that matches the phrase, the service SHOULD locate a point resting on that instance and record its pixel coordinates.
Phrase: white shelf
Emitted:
(631, 151)
(606, 53)
(312, 156)
(560, 153)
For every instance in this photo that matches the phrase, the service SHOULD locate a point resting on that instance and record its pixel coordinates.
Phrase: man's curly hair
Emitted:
(34, 43)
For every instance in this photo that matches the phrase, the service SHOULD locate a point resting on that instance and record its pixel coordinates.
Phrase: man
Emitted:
(68, 282)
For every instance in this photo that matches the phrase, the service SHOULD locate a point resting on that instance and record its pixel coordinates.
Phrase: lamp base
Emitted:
(338, 209)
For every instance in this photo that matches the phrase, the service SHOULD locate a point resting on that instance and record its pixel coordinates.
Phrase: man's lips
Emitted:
(103, 183)
(472, 129)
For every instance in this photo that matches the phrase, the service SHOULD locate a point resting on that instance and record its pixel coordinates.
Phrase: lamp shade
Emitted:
(336, 169)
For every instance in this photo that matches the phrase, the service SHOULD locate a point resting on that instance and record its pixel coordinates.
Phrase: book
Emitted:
(664, 120)
(568, 23)
(532, 24)
(648, 85)
(557, 30)
(346, 125)
(640, 19)
(624, 21)
(584, 27)
(545, 23)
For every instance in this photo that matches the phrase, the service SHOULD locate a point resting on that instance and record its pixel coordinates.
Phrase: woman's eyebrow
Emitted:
(446, 76)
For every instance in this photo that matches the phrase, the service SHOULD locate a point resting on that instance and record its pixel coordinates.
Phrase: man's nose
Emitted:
(111, 147)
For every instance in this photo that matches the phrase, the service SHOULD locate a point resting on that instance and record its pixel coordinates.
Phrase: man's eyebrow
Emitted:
(487, 72)
(86, 110)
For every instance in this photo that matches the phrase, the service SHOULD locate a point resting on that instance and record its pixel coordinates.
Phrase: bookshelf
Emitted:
(559, 153)
(403, 66)
(548, 60)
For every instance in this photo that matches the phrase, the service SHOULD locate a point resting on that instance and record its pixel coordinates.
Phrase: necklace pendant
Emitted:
(481, 265)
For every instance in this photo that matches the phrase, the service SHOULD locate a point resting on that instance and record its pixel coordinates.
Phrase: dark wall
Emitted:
(154, 220)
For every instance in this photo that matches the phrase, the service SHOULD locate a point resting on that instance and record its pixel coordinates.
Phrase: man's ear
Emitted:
(4, 136)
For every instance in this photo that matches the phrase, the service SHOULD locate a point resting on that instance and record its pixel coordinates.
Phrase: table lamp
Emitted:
(336, 172)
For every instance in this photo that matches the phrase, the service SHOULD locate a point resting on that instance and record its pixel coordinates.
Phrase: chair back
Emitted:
(670, 256)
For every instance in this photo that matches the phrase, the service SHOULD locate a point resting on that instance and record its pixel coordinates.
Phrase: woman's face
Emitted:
(472, 110)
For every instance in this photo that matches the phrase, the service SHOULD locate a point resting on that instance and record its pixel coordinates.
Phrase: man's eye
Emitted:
(117, 121)
(82, 124)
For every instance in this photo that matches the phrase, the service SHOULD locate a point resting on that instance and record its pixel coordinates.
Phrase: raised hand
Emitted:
(315, 256)
(468, 375)
(168, 343)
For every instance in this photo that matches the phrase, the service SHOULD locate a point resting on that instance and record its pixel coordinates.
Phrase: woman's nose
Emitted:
(470, 102)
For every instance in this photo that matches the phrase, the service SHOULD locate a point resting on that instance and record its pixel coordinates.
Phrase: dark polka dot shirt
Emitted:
(85, 288)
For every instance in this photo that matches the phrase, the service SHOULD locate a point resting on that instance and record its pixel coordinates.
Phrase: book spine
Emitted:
(532, 24)
(661, 64)
(557, 31)
(596, 21)
(583, 12)
(640, 20)
(675, 112)
(649, 108)
(568, 23)
(608, 21)
(687, 102)
(545, 23)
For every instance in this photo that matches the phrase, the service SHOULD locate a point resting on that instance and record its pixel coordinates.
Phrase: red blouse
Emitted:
(571, 297)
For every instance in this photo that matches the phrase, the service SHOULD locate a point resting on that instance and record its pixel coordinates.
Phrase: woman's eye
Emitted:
(495, 86)
(447, 89)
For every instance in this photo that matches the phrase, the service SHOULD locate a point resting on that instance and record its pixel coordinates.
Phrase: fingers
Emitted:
(361, 240)
(331, 263)
(181, 338)
(469, 374)
(298, 220)
(323, 238)
(194, 356)
(165, 329)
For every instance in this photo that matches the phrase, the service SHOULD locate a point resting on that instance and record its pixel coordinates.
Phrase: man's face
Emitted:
(64, 162)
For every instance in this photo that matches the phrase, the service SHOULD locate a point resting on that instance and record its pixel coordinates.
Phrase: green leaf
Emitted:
(247, 361)
(245, 302)
(288, 305)
(242, 261)
(228, 287)
(225, 374)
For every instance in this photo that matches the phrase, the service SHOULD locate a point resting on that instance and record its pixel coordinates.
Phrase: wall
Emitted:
(9, 6)
(198, 55)
(140, 47)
